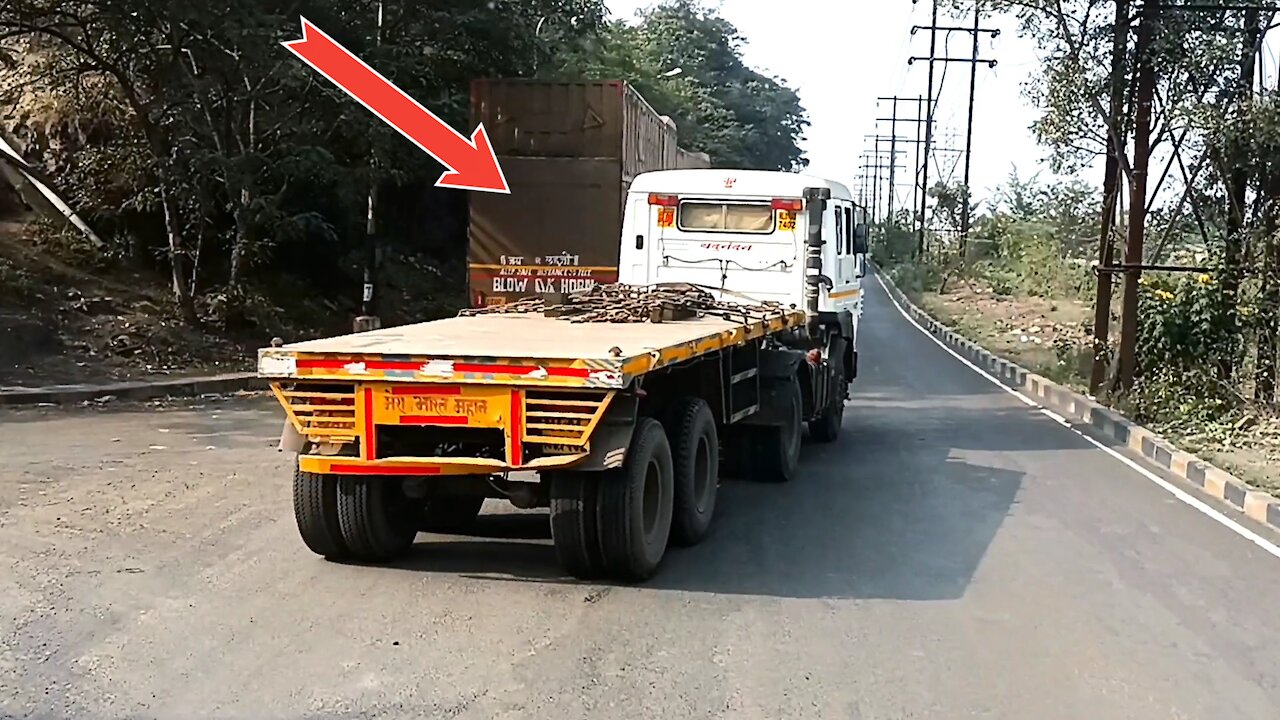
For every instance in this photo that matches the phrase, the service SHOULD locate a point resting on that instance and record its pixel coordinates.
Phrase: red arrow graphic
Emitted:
(472, 163)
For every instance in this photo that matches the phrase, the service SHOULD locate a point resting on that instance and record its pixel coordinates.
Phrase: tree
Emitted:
(1214, 134)
(126, 44)
(949, 200)
(197, 114)
(737, 115)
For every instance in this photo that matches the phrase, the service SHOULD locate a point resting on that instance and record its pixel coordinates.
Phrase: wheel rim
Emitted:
(652, 496)
(702, 474)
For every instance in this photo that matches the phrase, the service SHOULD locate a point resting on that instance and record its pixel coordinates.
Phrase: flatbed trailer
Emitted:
(623, 424)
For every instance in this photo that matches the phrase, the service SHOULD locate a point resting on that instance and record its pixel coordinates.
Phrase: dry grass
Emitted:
(1050, 337)
(1047, 336)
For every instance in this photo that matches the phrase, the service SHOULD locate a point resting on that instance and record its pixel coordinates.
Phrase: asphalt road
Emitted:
(957, 556)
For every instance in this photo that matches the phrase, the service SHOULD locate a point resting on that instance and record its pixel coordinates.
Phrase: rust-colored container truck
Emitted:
(569, 151)
(686, 159)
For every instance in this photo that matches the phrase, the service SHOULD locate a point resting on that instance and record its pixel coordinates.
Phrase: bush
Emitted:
(913, 279)
(893, 245)
(1027, 259)
(1185, 332)
(1185, 325)
(1181, 402)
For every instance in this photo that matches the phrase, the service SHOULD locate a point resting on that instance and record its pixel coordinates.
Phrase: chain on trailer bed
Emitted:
(635, 304)
(521, 385)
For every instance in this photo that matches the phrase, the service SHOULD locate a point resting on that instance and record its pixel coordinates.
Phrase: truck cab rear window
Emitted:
(726, 217)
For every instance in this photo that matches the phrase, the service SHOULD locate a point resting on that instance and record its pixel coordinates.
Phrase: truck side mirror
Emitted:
(860, 239)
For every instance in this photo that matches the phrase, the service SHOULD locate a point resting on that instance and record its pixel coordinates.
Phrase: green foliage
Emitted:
(949, 201)
(191, 139)
(1036, 238)
(1181, 403)
(1205, 347)
(1196, 62)
(914, 278)
(1184, 326)
(893, 244)
(739, 116)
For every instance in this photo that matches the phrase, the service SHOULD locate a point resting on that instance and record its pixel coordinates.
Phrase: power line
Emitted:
(976, 30)
(918, 121)
(928, 128)
(872, 162)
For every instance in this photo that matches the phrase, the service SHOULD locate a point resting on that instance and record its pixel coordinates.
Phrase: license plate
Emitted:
(440, 406)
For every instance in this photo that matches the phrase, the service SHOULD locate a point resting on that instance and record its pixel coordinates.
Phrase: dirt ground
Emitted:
(1051, 337)
(62, 323)
(70, 313)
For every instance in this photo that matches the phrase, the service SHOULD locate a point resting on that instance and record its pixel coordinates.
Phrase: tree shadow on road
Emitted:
(904, 509)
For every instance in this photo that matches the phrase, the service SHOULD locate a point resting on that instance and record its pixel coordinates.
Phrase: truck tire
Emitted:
(574, 531)
(378, 522)
(695, 457)
(451, 514)
(774, 451)
(315, 509)
(635, 506)
(826, 427)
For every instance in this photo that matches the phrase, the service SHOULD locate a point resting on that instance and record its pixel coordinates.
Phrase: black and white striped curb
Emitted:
(137, 390)
(1102, 422)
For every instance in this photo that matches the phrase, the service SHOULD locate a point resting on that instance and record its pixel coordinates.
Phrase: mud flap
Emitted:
(291, 441)
(609, 445)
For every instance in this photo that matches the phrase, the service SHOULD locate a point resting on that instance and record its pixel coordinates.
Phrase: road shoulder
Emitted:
(132, 390)
(1100, 422)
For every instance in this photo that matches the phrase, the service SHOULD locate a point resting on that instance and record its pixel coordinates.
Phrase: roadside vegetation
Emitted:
(228, 187)
(1027, 283)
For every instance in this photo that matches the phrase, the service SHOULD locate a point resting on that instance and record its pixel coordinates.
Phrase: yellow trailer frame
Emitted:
(337, 393)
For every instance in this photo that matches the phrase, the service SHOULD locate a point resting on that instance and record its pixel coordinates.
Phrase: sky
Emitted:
(842, 55)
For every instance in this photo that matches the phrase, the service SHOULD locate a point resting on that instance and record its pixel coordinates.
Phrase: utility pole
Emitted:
(1144, 97)
(918, 121)
(369, 319)
(973, 60)
(875, 186)
(893, 154)
(928, 128)
(868, 183)
(893, 165)
(893, 160)
(1110, 198)
(937, 150)
(965, 220)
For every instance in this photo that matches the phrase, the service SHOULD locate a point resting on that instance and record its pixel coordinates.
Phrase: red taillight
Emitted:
(663, 200)
(788, 204)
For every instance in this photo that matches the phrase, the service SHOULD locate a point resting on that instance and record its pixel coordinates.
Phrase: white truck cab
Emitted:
(792, 238)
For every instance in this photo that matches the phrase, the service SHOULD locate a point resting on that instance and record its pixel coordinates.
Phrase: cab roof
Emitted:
(746, 183)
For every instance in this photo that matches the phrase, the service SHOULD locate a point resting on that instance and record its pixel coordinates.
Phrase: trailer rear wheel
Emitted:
(773, 452)
(695, 456)
(451, 513)
(315, 509)
(826, 427)
(636, 504)
(378, 521)
(574, 531)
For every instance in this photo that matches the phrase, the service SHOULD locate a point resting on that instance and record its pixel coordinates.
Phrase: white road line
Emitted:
(1174, 490)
